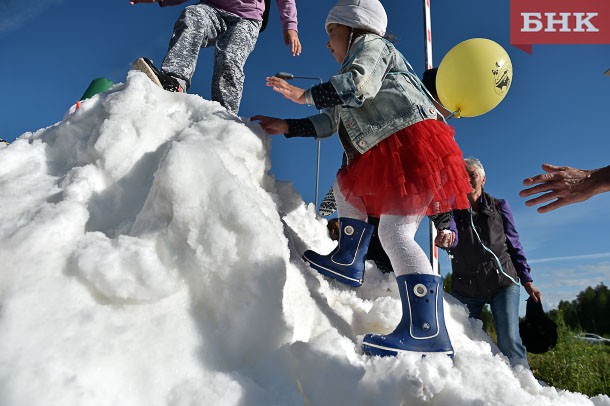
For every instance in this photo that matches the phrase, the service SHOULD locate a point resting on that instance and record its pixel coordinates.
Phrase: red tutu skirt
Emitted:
(419, 169)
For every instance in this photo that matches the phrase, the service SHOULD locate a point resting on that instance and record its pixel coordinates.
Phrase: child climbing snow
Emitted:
(232, 27)
(402, 165)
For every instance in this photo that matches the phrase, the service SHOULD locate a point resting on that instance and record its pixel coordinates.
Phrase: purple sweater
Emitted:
(515, 249)
(251, 10)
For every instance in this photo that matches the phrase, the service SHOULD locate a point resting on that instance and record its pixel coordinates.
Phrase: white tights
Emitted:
(397, 237)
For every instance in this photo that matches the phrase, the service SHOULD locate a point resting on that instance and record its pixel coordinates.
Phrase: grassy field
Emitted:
(574, 365)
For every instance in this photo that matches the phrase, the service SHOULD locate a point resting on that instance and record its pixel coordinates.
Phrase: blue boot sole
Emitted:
(385, 350)
(334, 274)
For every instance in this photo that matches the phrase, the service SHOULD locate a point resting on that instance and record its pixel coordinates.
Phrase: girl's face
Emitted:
(338, 41)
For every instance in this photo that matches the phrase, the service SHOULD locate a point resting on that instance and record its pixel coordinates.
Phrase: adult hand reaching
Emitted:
(566, 185)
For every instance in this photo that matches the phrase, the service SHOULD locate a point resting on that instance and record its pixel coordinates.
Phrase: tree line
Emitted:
(589, 312)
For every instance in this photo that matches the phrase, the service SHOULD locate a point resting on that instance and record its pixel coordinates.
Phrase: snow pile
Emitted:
(150, 259)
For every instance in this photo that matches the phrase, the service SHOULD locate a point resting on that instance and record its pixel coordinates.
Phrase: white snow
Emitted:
(148, 258)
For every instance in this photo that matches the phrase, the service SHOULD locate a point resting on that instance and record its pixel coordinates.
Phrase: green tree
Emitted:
(590, 311)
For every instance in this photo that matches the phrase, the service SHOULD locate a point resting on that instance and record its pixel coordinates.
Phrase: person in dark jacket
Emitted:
(488, 263)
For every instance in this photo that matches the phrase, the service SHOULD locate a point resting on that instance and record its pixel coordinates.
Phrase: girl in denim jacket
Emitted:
(402, 164)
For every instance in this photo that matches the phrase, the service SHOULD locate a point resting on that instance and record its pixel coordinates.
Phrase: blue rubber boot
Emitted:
(346, 262)
(422, 328)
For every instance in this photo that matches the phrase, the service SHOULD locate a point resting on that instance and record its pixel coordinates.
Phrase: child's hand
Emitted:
(271, 125)
(291, 38)
(290, 92)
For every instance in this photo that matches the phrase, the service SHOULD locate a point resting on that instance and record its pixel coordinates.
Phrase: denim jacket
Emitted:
(379, 95)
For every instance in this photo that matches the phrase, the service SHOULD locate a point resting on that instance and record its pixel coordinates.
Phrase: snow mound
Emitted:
(151, 259)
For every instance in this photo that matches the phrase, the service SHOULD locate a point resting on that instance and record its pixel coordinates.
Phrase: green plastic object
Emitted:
(98, 85)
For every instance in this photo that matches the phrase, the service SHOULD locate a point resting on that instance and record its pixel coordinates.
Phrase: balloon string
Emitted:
(455, 114)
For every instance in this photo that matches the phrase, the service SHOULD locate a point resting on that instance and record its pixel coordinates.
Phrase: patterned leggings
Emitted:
(201, 26)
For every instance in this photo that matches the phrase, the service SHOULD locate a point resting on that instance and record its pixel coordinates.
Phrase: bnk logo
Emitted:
(564, 22)
(559, 22)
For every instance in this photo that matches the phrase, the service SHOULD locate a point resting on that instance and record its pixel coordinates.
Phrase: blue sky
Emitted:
(556, 109)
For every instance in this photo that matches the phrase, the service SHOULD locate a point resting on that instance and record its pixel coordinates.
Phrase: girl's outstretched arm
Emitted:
(271, 125)
(290, 92)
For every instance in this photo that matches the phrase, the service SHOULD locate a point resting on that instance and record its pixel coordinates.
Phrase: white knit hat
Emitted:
(362, 14)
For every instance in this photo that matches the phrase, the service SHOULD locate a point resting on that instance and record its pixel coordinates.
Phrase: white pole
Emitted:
(429, 65)
(428, 32)
(317, 174)
(290, 76)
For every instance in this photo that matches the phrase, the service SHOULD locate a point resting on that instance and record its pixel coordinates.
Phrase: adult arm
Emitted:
(565, 185)
(515, 249)
(447, 236)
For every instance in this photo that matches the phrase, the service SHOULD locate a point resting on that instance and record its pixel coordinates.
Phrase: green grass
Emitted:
(574, 365)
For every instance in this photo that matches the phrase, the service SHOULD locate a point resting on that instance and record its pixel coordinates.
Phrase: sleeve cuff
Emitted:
(324, 96)
(302, 127)
(291, 26)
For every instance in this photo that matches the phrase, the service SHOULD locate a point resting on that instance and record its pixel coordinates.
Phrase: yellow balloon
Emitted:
(474, 77)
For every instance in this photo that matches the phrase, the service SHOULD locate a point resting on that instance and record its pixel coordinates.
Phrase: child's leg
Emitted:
(397, 236)
(198, 26)
(422, 327)
(346, 262)
(232, 49)
(344, 209)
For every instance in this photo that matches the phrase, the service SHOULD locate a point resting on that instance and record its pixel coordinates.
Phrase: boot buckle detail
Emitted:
(420, 290)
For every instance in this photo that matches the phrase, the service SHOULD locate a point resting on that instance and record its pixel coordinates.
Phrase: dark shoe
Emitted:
(160, 78)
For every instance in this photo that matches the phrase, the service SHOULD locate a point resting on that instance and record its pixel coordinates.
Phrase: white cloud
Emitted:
(570, 258)
(565, 282)
(14, 14)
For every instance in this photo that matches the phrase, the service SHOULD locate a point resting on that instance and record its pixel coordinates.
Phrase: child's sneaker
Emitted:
(160, 78)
